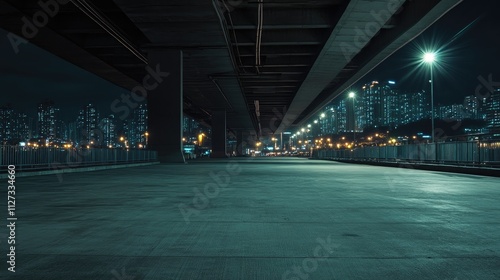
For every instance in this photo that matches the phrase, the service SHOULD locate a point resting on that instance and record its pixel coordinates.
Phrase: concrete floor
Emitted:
(269, 218)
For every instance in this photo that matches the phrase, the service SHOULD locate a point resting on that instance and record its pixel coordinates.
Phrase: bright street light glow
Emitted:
(429, 57)
(352, 94)
(322, 115)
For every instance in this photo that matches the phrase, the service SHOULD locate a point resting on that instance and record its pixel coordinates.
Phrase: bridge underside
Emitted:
(269, 64)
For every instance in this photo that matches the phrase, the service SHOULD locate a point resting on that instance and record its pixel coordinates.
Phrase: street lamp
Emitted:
(353, 95)
(125, 141)
(200, 138)
(429, 58)
(146, 134)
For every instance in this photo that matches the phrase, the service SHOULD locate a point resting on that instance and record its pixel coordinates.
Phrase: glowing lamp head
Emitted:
(352, 94)
(429, 57)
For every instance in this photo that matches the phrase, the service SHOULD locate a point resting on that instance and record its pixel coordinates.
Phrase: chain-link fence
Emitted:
(30, 158)
(463, 153)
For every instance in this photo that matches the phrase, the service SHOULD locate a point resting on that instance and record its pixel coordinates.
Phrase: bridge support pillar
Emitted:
(219, 137)
(165, 104)
(239, 143)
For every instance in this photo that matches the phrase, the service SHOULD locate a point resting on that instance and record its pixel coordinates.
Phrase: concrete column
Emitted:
(239, 143)
(219, 134)
(165, 104)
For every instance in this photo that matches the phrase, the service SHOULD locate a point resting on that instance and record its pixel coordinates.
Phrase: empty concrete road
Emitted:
(256, 218)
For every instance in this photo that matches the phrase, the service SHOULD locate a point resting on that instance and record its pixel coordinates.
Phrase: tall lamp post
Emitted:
(353, 95)
(321, 126)
(274, 139)
(304, 136)
(429, 58)
(147, 135)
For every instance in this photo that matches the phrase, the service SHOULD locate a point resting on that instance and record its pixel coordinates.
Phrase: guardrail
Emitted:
(460, 153)
(42, 158)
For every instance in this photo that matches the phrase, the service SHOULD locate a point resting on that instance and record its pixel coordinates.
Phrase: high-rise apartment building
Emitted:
(7, 124)
(492, 108)
(139, 125)
(47, 117)
(108, 129)
(87, 125)
(413, 107)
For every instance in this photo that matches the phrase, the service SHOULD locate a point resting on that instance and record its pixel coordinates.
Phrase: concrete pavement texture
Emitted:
(255, 218)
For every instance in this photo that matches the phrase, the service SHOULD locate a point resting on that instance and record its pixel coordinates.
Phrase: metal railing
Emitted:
(461, 153)
(42, 158)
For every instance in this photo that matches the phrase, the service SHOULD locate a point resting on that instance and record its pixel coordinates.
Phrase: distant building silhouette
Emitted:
(136, 126)
(7, 125)
(47, 118)
(87, 126)
(414, 106)
(109, 131)
(377, 104)
(492, 110)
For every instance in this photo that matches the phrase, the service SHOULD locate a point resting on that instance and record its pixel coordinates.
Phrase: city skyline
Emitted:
(378, 104)
(31, 108)
(465, 41)
(87, 125)
(384, 104)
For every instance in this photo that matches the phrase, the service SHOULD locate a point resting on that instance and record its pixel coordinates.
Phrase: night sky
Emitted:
(468, 44)
(34, 74)
(468, 40)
